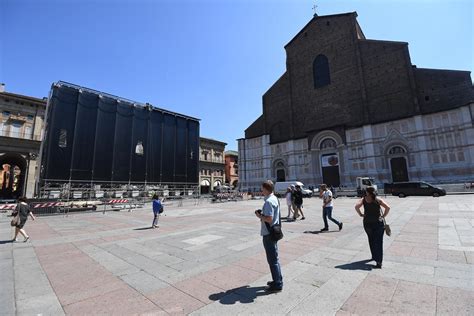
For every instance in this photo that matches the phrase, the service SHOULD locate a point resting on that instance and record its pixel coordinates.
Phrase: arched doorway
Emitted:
(235, 183)
(12, 175)
(398, 163)
(205, 186)
(280, 171)
(330, 162)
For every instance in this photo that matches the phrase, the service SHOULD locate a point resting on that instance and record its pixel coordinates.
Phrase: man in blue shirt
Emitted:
(156, 210)
(270, 214)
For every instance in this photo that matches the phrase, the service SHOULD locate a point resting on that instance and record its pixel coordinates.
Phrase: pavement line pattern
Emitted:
(208, 259)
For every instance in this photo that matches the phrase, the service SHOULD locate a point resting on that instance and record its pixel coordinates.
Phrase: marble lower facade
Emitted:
(437, 148)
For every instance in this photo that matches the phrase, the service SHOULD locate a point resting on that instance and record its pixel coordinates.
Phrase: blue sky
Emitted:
(212, 59)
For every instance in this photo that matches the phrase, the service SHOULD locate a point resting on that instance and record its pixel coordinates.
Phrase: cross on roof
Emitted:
(315, 6)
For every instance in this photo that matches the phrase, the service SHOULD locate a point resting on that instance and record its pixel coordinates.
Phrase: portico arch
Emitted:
(327, 156)
(279, 170)
(13, 169)
(397, 154)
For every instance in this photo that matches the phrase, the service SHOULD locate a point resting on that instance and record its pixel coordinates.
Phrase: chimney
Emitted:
(2, 87)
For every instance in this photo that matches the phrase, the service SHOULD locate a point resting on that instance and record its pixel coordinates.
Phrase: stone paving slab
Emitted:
(208, 259)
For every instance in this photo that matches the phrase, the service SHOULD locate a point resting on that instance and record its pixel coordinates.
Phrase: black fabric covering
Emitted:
(84, 137)
(155, 139)
(123, 142)
(104, 139)
(181, 155)
(141, 118)
(105, 136)
(169, 141)
(193, 152)
(61, 116)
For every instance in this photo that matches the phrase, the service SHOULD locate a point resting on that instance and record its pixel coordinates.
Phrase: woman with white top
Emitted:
(289, 201)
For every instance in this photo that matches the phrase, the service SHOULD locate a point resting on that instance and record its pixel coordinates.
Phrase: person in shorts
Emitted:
(157, 206)
(23, 211)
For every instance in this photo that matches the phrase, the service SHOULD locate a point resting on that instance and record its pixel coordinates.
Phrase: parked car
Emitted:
(402, 189)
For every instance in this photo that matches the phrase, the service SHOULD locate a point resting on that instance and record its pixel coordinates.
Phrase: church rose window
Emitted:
(321, 71)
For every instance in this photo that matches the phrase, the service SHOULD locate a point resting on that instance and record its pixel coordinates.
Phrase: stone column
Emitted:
(31, 174)
(369, 150)
(423, 163)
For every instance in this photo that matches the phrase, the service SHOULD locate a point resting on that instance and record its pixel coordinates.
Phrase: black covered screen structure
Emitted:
(94, 137)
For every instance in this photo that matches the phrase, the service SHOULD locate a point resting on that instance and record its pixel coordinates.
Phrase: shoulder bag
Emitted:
(16, 217)
(386, 226)
(275, 231)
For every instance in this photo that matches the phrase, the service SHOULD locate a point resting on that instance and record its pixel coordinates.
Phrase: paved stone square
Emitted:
(208, 259)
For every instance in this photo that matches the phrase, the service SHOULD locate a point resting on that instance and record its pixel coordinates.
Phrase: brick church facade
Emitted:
(348, 106)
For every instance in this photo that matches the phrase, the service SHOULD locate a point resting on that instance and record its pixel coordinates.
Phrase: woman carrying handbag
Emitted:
(374, 223)
(20, 216)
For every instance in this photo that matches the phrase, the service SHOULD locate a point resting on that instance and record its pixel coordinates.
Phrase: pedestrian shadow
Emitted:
(315, 232)
(9, 241)
(244, 294)
(357, 265)
(143, 228)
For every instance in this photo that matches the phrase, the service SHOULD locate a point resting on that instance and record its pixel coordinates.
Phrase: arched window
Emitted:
(328, 143)
(397, 150)
(321, 72)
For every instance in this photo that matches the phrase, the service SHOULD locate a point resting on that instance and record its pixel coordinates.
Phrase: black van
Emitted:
(403, 189)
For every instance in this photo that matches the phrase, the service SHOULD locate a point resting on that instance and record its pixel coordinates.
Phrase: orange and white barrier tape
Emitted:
(48, 204)
(7, 206)
(118, 201)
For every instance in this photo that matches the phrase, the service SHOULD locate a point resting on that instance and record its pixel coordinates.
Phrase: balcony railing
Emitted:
(221, 161)
(20, 134)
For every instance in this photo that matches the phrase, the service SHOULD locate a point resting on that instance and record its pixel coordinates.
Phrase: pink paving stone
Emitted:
(293, 252)
(412, 299)
(229, 277)
(372, 294)
(174, 301)
(199, 290)
(81, 243)
(424, 253)
(71, 281)
(116, 238)
(87, 292)
(96, 241)
(256, 263)
(415, 244)
(56, 249)
(118, 302)
(286, 258)
(59, 259)
(66, 284)
(305, 243)
(451, 256)
(398, 250)
(75, 277)
(431, 241)
(454, 301)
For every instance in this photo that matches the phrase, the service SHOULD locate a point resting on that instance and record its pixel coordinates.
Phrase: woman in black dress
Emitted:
(373, 222)
(22, 210)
